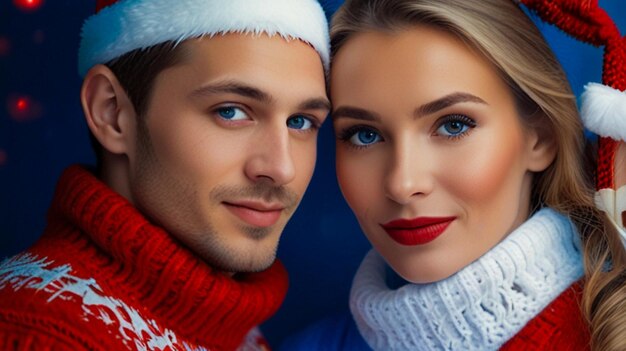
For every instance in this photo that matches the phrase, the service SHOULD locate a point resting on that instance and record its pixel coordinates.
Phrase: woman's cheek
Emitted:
(484, 168)
(359, 180)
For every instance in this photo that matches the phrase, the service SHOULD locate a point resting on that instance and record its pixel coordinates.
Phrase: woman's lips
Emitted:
(256, 214)
(417, 231)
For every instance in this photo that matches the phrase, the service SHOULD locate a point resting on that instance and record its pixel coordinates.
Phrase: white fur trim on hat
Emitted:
(128, 25)
(604, 111)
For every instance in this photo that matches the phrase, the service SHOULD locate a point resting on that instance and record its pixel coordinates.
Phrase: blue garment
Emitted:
(329, 334)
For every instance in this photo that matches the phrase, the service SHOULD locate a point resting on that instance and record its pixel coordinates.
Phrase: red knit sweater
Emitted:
(559, 327)
(104, 278)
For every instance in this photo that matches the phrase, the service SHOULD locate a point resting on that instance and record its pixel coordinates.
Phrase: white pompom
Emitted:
(603, 111)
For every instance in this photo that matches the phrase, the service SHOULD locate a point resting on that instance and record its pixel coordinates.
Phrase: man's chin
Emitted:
(246, 266)
(242, 250)
(239, 260)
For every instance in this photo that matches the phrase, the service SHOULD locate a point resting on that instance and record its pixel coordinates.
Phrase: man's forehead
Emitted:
(314, 100)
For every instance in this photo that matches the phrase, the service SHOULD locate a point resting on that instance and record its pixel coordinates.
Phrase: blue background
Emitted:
(322, 245)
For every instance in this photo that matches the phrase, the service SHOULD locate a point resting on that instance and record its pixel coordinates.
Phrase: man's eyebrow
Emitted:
(239, 88)
(354, 113)
(233, 87)
(446, 101)
(315, 104)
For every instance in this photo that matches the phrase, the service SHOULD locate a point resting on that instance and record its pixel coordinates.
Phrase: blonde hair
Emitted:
(503, 34)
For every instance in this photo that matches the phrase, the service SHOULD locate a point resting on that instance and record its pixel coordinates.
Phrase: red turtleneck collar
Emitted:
(97, 231)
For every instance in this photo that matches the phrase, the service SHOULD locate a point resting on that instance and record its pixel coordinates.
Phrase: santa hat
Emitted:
(603, 107)
(121, 26)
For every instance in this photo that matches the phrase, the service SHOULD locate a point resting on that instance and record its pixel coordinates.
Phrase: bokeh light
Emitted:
(28, 5)
(23, 107)
(5, 46)
(3, 157)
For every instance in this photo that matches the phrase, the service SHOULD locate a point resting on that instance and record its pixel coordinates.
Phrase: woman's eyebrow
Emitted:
(354, 113)
(446, 101)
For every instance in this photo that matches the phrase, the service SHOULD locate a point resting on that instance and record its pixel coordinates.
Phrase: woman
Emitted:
(460, 151)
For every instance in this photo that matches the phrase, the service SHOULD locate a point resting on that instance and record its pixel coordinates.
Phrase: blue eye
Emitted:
(232, 113)
(365, 137)
(455, 125)
(453, 128)
(299, 122)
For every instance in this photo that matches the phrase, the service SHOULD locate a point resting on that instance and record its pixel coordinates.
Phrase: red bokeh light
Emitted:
(22, 104)
(28, 5)
(23, 108)
(5, 46)
(3, 157)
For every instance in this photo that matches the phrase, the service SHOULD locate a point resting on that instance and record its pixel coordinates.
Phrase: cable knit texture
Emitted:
(104, 278)
(480, 307)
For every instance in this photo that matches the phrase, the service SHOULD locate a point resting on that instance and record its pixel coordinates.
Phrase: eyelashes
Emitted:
(231, 113)
(360, 136)
(455, 126)
(452, 127)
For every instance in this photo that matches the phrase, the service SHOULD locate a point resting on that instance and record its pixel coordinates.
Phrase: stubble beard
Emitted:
(207, 243)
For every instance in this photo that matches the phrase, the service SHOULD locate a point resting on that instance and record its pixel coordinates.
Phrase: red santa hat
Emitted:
(121, 26)
(603, 107)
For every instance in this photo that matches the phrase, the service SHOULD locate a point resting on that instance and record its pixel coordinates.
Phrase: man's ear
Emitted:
(109, 112)
(542, 144)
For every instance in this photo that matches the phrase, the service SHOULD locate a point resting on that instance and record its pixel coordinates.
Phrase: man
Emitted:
(204, 115)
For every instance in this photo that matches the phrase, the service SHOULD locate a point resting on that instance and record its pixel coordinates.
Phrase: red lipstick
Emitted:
(417, 231)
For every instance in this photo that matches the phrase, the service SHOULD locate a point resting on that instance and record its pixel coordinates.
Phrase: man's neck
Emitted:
(114, 173)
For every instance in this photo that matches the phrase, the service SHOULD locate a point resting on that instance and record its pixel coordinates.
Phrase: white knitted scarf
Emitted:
(480, 307)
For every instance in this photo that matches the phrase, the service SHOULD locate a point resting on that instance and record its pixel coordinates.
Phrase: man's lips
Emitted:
(256, 213)
(417, 231)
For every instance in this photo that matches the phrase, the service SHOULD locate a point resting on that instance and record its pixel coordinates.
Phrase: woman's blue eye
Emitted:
(365, 137)
(232, 113)
(299, 122)
(453, 128)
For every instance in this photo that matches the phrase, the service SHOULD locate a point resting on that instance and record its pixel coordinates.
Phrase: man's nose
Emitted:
(271, 157)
